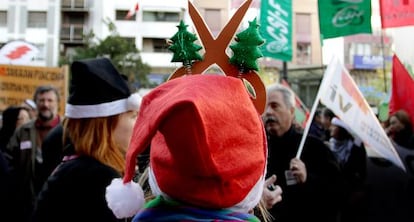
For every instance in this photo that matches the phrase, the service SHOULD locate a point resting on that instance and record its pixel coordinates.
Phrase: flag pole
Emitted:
(383, 61)
(314, 107)
(284, 72)
(307, 126)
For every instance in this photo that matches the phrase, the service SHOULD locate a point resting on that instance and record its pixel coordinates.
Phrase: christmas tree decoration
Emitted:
(215, 53)
(184, 48)
(246, 49)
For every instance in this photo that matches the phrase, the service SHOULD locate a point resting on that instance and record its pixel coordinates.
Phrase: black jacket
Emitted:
(313, 200)
(76, 192)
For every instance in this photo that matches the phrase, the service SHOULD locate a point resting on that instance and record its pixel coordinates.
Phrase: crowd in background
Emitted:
(332, 179)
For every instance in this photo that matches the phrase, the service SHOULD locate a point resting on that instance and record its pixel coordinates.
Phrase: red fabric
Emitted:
(208, 144)
(402, 89)
(132, 11)
(395, 13)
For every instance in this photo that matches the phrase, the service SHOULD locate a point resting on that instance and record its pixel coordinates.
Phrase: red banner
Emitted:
(395, 13)
(402, 89)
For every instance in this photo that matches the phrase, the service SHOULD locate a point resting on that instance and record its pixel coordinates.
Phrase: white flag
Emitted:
(17, 53)
(339, 93)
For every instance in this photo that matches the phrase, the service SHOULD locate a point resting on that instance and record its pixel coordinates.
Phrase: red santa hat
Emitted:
(208, 145)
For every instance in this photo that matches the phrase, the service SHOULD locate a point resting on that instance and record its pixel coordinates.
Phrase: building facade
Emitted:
(57, 27)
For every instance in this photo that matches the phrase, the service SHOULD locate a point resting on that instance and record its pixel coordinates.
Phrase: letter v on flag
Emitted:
(402, 89)
(339, 93)
(132, 11)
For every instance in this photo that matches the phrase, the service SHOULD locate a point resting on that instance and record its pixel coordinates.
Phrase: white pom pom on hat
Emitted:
(125, 200)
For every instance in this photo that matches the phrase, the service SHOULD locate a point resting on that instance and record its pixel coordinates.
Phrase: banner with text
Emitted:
(339, 93)
(344, 17)
(276, 29)
(396, 13)
(18, 83)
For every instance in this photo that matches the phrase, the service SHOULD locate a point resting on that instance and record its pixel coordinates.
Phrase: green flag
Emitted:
(344, 17)
(276, 29)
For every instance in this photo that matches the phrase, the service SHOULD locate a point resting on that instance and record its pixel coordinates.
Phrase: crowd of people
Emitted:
(194, 149)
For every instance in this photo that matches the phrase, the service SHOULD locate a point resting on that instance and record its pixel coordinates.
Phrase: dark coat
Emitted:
(76, 192)
(390, 188)
(29, 174)
(314, 199)
(354, 175)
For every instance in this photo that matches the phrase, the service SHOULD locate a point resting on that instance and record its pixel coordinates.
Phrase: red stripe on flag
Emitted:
(132, 11)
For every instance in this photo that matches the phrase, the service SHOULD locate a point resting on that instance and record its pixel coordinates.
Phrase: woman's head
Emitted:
(13, 117)
(99, 119)
(105, 138)
(339, 130)
(399, 121)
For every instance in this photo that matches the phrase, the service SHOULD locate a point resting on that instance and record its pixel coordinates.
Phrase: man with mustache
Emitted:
(25, 153)
(310, 181)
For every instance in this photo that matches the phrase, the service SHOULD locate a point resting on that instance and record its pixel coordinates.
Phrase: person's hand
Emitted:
(298, 169)
(272, 193)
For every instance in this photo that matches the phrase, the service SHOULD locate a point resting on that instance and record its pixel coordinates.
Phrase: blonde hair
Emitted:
(94, 137)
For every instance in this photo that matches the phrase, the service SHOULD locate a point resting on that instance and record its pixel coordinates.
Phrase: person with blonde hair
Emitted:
(99, 122)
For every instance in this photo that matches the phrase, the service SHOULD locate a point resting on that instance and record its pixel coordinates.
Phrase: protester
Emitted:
(309, 182)
(202, 168)
(316, 128)
(31, 106)
(13, 118)
(99, 122)
(24, 150)
(326, 118)
(400, 129)
(351, 156)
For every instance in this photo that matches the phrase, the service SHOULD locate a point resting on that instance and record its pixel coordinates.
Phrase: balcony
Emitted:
(72, 34)
(74, 5)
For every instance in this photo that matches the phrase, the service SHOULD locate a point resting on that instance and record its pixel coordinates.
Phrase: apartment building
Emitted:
(56, 27)
(37, 22)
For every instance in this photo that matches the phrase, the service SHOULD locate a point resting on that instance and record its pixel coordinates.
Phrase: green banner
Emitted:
(276, 29)
(344, 17)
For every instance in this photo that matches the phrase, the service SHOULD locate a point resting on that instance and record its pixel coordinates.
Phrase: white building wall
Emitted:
(137, 28)
(47, 37)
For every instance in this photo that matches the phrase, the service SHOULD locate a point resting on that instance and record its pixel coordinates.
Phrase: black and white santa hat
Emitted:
(97, 89)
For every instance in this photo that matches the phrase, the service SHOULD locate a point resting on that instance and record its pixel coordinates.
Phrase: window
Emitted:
(37, 20)
(152, 16)
(130, 40)
(3, 18)
(303, 53)
(73, 4)
(120, 15)
(361, 49)
(41, 56)
(155, 45)
(303, 38)
(213, 20)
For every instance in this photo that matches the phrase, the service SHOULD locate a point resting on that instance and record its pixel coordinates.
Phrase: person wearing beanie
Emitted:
(351, 156)
(99, 117)
(207, 158)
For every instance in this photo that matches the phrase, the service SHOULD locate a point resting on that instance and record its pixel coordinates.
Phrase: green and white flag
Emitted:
(276, 29)
(344, 17)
